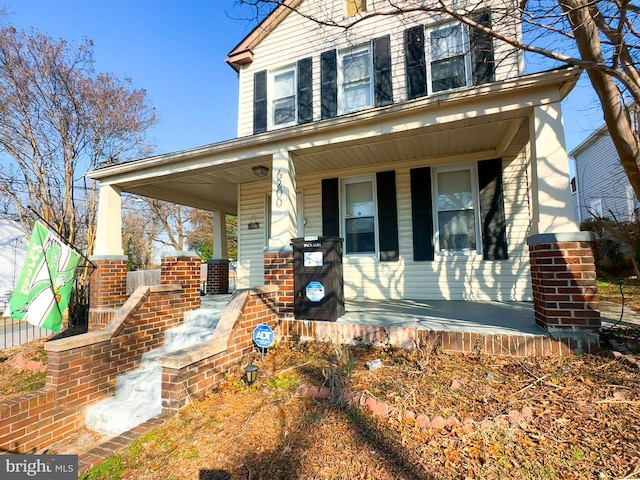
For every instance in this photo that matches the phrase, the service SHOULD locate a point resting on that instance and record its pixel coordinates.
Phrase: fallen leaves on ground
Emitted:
(585, 423)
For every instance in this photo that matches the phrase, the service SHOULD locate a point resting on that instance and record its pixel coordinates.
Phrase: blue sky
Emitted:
(175, 49)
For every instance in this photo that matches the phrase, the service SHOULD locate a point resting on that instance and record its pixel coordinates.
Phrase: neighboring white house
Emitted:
(601, 187)
(13, 250)
(417, 140)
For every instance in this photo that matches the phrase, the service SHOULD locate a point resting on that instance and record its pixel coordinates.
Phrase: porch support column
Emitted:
(109, 227)
(278, 256)
(108, 282)
(563, 274)
(218, 266)
(551, 203)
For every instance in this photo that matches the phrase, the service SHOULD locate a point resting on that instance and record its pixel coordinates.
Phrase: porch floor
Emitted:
(497, 318)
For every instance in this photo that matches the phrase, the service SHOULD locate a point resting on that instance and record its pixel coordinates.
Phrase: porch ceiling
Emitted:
(486, 137)
(216, 186)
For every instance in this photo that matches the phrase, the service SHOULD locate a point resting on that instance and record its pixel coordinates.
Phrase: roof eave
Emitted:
(260, 32)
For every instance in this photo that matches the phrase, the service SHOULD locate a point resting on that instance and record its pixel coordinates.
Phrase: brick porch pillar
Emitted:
(183, 268)
(217, 277)
(565, 289)
(108, 288)
(278, 271)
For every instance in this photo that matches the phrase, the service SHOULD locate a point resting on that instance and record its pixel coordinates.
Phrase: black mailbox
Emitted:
(317, 272)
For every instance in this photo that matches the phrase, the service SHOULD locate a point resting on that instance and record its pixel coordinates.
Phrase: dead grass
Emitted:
(15, 380)
(586, 421)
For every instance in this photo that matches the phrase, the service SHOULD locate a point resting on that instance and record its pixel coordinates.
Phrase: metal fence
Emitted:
(16, 332)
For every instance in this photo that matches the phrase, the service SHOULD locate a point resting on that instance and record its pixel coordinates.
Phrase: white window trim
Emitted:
(593, 208)
(472, 168)
(341, 96)
(466, 51)
(343, 217)
(270, 97)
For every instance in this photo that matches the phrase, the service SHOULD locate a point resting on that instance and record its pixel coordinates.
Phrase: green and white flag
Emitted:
(44, 287)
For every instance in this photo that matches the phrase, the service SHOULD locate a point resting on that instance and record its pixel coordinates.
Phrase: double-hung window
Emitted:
(355, 79)
(456, 208)
(283, 97)
(359, 215)
(449, 63)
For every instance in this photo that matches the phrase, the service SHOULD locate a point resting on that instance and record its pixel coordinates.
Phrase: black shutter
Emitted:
(305, 91)
(328, 84)
(330, 208)
(415, 64)
(260, 102)
(422, 214)
(387, 216)
(494, 237)
(382, 71)
(482, 61)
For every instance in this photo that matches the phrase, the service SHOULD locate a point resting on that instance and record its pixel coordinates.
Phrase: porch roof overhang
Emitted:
(489, 121)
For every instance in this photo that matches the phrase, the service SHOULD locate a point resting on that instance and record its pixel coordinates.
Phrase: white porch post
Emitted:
(219, 236)
(284, 216)
(278, 256)
(551, 203)
(109, 227)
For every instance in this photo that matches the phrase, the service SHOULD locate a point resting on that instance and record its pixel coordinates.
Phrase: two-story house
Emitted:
(415, 138)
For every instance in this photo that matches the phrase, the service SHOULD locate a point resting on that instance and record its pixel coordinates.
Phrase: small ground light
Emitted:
(251, 373)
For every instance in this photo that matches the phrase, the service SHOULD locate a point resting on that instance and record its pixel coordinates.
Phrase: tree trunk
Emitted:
(615, 114)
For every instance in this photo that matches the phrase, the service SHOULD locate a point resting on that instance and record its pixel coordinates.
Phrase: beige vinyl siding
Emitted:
(447, 277)
(251, 243)
(303, 38)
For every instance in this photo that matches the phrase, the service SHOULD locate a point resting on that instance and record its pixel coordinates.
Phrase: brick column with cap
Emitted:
(565, 290)
(108, 288)
(183, 268)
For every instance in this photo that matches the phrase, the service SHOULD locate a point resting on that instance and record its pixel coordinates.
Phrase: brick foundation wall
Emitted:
(278, 271)
(217, 277)
(407, 337)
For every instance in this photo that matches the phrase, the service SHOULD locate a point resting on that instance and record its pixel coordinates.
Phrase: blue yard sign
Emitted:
(263, 336)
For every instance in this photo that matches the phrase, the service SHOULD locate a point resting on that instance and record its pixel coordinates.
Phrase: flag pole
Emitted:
(64, 240)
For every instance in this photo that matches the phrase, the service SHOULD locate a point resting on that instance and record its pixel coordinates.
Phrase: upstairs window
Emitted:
(283, 101)
(355, 81)
(449, 59)
(448, 56)
(283, 97)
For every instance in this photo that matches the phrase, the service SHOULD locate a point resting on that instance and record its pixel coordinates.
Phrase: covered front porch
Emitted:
(507, 139)
(507, 328)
